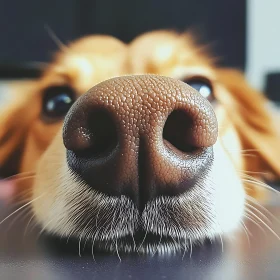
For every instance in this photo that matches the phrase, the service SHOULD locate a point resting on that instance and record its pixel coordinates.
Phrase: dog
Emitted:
(147, 146)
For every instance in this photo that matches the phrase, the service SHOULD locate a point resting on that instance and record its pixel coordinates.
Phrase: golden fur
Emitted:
(246, 129)
(96, 58)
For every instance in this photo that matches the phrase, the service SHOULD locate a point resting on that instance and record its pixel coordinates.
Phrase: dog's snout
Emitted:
(142, 136)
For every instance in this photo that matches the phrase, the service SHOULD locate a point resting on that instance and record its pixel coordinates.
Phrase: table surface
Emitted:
(25, 253)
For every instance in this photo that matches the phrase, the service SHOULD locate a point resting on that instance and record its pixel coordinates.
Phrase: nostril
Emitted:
(177, 131)
(99, 133)
(103, 132)
(141, 137)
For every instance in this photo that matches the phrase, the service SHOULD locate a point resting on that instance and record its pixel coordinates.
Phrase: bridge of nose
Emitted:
(142, 103)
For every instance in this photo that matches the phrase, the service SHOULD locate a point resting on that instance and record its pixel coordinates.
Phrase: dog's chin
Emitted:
(211, 208)
(166, 225)
(142, 242)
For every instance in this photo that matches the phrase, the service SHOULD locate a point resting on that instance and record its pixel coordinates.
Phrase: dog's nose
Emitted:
(142, 136)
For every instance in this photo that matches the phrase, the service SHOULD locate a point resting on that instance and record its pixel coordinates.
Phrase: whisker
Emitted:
(26, 228)
(258, 183)
(157, 247)
(23, 178)
(258, 211)
(144, 238)
(134, 243)
(118, 249)
(88, 234)
(247, 232)
(222, 243)
(185, 247)
(43, 229)
(21, 200)
(20, 175)
(79, 245)
(93, 241)
(266, 225)
(81, 236)
(191, 248)
(249, 155)
(92, 246)
(253, 200)
(243, 172)
(25, 205)
(25, 211)
(55, 39)
(243, 150)
(254, 222)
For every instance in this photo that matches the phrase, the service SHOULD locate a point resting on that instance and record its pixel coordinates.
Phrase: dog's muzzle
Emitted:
(140, 136)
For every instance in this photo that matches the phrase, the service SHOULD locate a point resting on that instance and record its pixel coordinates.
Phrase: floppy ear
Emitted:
(249, 112)
(15, 112)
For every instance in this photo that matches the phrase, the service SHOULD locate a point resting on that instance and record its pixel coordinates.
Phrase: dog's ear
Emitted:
(16, 111)
(249, 111)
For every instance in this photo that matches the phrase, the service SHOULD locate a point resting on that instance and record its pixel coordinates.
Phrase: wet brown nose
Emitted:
(141, 136)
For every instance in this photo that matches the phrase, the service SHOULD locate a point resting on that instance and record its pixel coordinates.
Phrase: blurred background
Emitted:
(244, 34)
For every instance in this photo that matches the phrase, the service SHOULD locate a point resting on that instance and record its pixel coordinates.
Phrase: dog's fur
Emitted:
(248, 141)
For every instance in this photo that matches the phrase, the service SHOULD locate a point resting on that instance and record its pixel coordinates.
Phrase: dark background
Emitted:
(24, 37)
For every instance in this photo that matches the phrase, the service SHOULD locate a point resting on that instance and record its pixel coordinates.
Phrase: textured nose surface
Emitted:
(142, 136)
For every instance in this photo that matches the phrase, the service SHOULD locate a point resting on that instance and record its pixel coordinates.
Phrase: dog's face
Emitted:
(142, 162)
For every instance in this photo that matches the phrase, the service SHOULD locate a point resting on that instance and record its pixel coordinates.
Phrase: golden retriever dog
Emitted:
(147, 147)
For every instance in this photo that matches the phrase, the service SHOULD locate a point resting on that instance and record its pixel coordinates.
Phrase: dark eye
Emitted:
(57, 101)
(203, 86)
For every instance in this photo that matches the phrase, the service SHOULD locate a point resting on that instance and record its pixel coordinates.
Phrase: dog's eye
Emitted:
(57, 101)
(203, 86)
